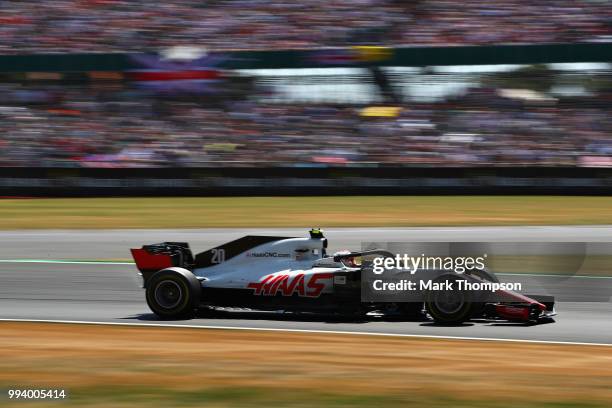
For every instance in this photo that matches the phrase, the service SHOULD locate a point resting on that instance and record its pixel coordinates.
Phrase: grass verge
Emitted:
(144, 367)
(268, 212)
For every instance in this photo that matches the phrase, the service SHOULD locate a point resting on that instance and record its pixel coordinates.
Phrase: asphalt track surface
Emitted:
(111, 293)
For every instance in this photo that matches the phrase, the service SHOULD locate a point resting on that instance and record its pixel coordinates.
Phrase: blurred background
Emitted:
(119, 25)
(491, 115)
(385, 98)
(319, 84)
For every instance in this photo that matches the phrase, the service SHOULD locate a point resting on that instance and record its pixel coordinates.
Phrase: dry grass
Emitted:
(111, 366)
(303, 211)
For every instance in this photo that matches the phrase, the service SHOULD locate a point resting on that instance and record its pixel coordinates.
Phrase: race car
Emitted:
(297, 275)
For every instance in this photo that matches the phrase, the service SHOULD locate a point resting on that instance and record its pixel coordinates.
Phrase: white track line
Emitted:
(270, 329)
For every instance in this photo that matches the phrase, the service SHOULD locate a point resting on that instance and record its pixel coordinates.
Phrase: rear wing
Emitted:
(155, 257)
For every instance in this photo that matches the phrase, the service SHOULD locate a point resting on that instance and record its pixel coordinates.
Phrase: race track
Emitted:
(33, 288)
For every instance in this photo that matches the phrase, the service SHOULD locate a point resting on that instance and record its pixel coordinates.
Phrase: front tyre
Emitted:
(449, 306)
(173, 293)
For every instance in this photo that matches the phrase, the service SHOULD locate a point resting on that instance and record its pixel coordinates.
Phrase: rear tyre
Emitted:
(173, 293)
(449, 307)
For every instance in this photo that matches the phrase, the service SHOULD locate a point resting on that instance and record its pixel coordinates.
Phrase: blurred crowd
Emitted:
(28, 26)
(109, 128)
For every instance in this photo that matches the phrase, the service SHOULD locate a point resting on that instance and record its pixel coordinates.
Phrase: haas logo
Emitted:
(288, 285)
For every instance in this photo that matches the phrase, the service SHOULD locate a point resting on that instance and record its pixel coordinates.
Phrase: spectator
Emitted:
(78, 126)
(28, 26)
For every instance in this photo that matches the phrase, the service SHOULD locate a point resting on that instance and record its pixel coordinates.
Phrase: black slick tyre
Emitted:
(173, 293)
(449, 307)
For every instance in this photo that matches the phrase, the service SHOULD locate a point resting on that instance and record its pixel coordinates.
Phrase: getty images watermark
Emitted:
(414, 263)
(432, 267)
(407, 271)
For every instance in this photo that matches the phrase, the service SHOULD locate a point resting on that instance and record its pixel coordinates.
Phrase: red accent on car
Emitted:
(287, 288)
(317, 287)
(258, 286)
(271, 284)
(150, 262)
(287, 285)
(511, 296)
